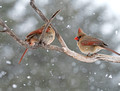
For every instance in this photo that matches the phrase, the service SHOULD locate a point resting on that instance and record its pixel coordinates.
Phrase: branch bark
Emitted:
(11, 33)
(48, 23)
(64, 48)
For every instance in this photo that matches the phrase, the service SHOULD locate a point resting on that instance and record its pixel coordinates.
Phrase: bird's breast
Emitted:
(88, 49)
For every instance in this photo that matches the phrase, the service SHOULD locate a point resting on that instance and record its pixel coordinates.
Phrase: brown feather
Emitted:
(38, 31)
(88, 41)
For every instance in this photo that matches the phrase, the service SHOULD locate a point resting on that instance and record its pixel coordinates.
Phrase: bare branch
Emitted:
(82, 58)
(115, 59)
(12, 34)
(38, 11)
(53, 47)
(48, 23)
(2, 30)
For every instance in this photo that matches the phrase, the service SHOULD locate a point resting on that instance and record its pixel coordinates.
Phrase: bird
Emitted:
(33, 37)
(89, 45)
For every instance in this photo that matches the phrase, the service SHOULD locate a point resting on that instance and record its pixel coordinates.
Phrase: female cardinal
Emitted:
(90, 45)
(34, 36)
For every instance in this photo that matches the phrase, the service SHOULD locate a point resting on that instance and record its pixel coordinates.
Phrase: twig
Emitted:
(46, 26)
(2, 30)
(38, 11)
(12, 34)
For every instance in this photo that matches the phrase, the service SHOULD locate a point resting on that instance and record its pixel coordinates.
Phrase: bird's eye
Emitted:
(79, 37)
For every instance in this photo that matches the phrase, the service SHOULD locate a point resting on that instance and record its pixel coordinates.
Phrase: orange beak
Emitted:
(76, 38)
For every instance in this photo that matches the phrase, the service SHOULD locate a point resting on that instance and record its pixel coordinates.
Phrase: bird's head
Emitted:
(80, 34)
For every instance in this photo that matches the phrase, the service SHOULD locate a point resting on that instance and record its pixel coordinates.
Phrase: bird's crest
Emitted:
(79, 30)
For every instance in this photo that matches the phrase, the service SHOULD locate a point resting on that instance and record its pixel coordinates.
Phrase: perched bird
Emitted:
(34, 36)
(90, 45)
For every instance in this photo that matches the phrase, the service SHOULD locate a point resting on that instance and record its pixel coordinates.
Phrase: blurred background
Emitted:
(47, 70)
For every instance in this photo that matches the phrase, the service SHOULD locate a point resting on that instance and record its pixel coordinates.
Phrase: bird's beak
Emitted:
(76, 38)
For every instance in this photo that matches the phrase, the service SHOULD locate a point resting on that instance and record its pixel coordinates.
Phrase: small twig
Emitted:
(46, 26)
(38, 11)
(2, 30)
(5, 27)
(12, 34)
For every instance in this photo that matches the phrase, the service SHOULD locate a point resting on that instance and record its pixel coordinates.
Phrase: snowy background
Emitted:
(46, 70)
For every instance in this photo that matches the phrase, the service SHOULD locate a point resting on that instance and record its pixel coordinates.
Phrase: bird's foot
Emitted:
(91, 55)
(36, 45)
(42, 43)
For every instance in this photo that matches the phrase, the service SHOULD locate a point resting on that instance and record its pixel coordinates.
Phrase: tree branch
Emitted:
(46, 26)
(64, 48)
(12, 34)
(67, 51)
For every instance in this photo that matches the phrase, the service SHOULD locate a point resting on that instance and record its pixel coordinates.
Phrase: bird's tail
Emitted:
(112, 50)
(23, 55)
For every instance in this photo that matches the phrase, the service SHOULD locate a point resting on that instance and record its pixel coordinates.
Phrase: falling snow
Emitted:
(14, 85)
(93, 13)
(26, 64)
(28, 77)
(24, 84)
(59, 17)
(116, 32)
(0, 6)
(59, 77)
(8, 62)
(68, 26)
(47, 50)
(106, 75)
(118, 84)
(4, 28)
(110, 76)
(6, 21)
(2, 73)
(53, 64)
(51, 73)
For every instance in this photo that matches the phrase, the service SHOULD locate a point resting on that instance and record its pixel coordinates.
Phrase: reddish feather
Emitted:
(23, 55)
(79, 30)
(91, 41)
(38, 31)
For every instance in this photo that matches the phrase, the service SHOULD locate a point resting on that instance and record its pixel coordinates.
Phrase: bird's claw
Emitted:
(91, 55)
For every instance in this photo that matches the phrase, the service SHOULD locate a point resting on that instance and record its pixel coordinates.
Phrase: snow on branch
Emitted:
(64, 48)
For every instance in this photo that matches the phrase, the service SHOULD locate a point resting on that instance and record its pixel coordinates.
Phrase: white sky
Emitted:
(113, 5)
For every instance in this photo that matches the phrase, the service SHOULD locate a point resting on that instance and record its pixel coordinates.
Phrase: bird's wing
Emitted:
(92, 41)
(38, 31)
